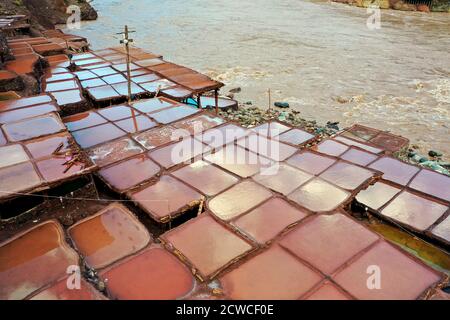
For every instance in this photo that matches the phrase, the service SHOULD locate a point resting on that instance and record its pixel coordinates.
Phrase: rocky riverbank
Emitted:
(46, 13)
(415, 5)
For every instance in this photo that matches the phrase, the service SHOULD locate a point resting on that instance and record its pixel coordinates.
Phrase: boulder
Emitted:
(383, 4)
(423, 8)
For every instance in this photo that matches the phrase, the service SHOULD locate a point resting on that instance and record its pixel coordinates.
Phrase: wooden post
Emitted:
(216, 98)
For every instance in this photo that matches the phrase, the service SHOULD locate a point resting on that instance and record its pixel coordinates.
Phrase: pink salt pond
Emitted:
(315, 241)
(271, 129)
(282, 178)
(414, 211)
(129, 173)
(44, 147)
(33, 260)
(166, 199)
(198, 124)
(68, 97)
(54, 169)
(403, 278)
(18, 178)
(269, 220)
(311, 162)
(108, 236)
(319, 196)
(347, 176)
(33, 127)
(272, 149)
(377, 195)
(328, 291)
(207, 245)
(157, 137)
(117, 113)
(238, 200)
(205, 177)
(25, 102)
(295, 137)
(12, 154)
(395, 170)
(136, 124)
(154, 274)
(432, 183)
(272, 275)
(222, 135)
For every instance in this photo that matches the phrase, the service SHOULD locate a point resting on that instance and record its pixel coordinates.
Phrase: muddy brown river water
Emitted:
(319, 56)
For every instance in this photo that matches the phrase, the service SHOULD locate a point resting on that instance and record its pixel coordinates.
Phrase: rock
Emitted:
(248, 103)
(282, 105)
(423, 8)
(383, 4)
(341, 99)
(235, 90)
(434, 154)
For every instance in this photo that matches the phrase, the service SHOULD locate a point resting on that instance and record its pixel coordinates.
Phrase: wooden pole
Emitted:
(127, 48)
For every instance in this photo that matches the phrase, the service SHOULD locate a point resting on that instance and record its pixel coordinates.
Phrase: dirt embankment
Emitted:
(404, 5)
(47, 13)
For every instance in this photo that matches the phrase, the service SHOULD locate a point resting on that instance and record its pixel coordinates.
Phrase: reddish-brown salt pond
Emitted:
(319, 196)
(117, 113)
(25, 113)
(331, 147)
(54, 169)
(414, 211)
(33, 260)
(154, 274)
(239, 161)
(360, 132)
(83, 120)
(432, 183)
(136, 124)
(395, 170)
(389, 141)
(207, 245)
(268, 220)
(442, 230)
(222, 135)
(166, 198)
(237, 200)
(68, 97)
(272, 275)
(311, 162)
(173, 114)
(296, 137)
(282, 178)
(96, 135)
(60, 291)
(315, 241)
(24, 102)
(347, 176)
(180, 152)
(205, 177)
(328, 291)
(402, 277)
(364, 146)
(12, 154)
(360, 157)
(145, 78)
(153, 105)
(377, 195)
(198, 124)
(271, 129)
(33, 127)
(108, 236)
(129, 173)
(18, 178)
(114, 151)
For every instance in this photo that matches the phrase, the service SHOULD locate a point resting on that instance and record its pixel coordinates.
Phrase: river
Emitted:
(319, 56)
